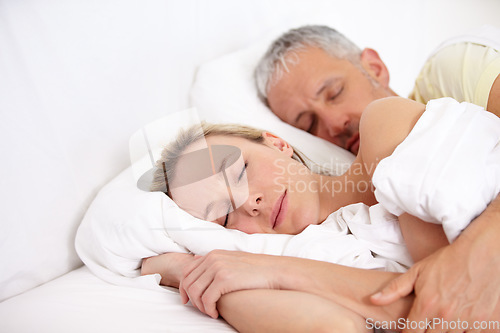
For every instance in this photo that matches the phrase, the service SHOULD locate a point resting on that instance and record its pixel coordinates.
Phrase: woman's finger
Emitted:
(200, 278)
(188, 277)
(209, 299)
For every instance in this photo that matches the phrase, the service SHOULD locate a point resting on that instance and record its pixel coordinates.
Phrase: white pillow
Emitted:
(224, 92)
(123, 225)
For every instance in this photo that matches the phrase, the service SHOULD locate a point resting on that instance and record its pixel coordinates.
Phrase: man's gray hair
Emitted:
(281, 53)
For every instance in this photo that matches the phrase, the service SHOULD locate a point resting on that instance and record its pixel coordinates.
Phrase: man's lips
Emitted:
(279, 211)
(353, 143)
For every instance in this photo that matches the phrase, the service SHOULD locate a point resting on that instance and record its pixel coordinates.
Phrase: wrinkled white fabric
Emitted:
(357, 236)
(448, 168)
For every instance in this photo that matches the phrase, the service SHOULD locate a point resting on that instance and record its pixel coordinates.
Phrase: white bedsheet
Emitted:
(80, 302)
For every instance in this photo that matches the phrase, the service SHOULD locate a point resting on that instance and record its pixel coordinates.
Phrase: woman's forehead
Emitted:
(217, 140)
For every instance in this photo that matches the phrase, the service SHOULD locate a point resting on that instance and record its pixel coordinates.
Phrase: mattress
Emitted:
(81, 302)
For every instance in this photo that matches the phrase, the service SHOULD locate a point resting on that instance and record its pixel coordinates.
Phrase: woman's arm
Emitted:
(168, 265)
(222, 272)
(264, 310)
(422, 238)
(206, 279)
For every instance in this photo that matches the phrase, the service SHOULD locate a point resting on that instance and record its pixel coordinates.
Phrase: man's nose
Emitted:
(332, 123)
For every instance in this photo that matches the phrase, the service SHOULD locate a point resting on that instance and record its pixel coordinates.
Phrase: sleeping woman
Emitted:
(256, 292)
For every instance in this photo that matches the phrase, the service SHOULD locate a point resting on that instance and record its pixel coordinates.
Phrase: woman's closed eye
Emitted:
(229, 207)
(226, 220)
(223, 211)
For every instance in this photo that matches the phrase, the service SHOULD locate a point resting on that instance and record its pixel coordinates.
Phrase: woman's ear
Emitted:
(371, 62)
(276, 142)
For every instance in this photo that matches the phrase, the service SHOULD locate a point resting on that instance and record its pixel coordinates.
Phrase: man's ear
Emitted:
(371, 62)
(276, 142)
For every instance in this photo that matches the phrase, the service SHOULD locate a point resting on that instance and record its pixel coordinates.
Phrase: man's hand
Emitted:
(459, 283)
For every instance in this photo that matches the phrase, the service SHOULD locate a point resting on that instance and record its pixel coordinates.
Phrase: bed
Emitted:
(79, 78)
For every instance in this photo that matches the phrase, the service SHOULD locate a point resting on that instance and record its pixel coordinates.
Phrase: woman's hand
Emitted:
(208, 278)
(220, 272)
(169, 265)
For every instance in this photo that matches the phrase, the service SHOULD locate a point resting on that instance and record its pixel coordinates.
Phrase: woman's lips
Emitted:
(279, 210)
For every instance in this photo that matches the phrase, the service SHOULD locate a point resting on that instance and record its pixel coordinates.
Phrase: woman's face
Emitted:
(271, 192)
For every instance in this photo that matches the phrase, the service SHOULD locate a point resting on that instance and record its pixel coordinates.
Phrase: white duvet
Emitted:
(446, 171)
(448, 168)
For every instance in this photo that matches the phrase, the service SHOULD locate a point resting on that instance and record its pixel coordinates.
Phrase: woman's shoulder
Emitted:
(385, 123)
(392, 110)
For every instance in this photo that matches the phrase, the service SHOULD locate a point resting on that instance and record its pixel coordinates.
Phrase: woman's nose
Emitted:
(253, 205)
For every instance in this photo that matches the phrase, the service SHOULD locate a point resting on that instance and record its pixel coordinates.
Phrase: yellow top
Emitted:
(464, 71)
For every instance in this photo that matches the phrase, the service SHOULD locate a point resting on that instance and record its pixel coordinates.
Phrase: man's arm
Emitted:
(494, 97)
(460, 281)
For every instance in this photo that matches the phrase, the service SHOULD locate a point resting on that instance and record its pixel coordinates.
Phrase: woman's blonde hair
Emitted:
(172, 152)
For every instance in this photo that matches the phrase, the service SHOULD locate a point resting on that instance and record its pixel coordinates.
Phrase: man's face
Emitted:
(325, 96)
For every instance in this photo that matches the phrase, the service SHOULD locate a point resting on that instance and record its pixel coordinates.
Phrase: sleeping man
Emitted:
(317, 80)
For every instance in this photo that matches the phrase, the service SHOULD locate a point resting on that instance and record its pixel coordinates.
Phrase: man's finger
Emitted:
(400, 287)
